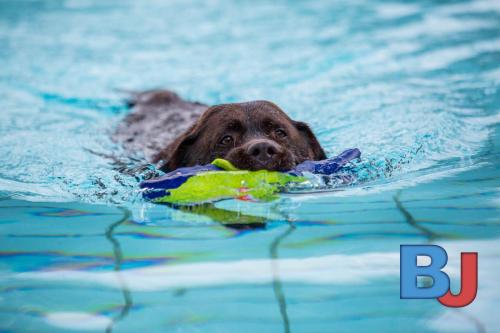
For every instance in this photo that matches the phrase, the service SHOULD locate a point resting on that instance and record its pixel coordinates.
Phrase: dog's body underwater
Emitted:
(252, 135)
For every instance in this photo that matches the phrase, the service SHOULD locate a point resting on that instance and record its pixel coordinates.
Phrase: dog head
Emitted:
(252, 136)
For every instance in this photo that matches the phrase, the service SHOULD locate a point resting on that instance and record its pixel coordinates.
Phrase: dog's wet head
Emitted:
(252, 136)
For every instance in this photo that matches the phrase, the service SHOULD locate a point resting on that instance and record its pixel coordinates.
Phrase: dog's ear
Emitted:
(317, 151)
(174, 155)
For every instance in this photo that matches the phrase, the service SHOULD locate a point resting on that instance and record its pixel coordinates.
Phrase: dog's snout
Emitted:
(263, 150)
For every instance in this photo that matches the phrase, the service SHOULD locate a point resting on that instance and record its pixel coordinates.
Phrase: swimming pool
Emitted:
(413, 85)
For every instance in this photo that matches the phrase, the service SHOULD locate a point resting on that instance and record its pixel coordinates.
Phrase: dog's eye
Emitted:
(280, 133)
(226, 140)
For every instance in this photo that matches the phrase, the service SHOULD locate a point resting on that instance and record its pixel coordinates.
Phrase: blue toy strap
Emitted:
(328, 166)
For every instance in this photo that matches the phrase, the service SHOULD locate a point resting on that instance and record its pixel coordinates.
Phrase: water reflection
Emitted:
(118, 257)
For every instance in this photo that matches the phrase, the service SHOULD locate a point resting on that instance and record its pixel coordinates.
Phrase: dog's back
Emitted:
(158, 117)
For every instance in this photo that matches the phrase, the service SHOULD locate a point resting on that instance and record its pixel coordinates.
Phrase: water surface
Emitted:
(413, 85)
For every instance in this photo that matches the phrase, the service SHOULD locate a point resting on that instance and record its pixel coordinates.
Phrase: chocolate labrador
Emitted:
(253, 135)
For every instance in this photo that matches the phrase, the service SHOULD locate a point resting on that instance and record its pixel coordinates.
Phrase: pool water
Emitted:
(413, 84)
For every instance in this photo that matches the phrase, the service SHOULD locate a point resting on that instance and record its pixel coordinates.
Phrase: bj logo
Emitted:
(440, 288)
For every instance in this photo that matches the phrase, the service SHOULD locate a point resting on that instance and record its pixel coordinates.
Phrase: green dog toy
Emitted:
(222, 180)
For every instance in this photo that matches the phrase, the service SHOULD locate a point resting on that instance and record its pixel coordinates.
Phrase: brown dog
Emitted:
(252, 136)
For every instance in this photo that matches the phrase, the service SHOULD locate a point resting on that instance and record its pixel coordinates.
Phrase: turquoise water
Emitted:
(413, 85)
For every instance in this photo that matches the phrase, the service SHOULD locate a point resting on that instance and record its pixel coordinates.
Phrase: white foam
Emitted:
(78, 321)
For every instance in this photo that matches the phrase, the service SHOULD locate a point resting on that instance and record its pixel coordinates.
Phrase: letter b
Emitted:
(410, 270)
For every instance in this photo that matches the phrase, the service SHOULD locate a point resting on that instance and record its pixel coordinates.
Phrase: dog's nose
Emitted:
(263, 150)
